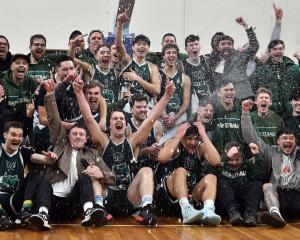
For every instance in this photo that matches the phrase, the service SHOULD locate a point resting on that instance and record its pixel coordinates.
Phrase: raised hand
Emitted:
(182, 129)
(278, 12)
(123, 17)
(49, 84)
(78, 83)
(232, 151)
(247, 105)
(254, 149)
(170, 88)
(201, 128)
(51, 155)
(240, 20)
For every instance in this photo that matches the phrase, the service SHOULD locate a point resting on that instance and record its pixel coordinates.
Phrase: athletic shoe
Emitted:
(191, 215)
(273, 219)
(5, 222)
(250, 219)
(210, 218)
(93, 216)
(40, 221)
(235, 217)
(146, 216)
(23, 217)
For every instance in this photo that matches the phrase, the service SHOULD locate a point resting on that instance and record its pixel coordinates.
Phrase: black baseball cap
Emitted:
(20, 55)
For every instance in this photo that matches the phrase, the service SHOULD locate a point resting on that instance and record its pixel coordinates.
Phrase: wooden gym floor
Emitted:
(168, 229)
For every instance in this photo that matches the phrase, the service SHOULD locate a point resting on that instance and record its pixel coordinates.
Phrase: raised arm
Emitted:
(102, 112)
(277, 27)
(253, 42)
(123, 56)
(57, 131)
(170, 149)
(99, 138)
(207, 149)
(143, 131)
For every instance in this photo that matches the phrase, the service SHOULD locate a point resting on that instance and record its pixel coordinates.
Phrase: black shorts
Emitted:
(117, 203)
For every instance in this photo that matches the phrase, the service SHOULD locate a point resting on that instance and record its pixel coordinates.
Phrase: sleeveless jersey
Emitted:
(142, 70)
(145, 161)
(109, 81)
(177, 98)
(200, 77)
(120, 159)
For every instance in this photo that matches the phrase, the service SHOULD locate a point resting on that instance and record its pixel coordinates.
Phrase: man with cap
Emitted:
(18, 87)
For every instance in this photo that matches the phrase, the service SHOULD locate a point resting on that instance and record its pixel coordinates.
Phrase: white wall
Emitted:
(56, 19)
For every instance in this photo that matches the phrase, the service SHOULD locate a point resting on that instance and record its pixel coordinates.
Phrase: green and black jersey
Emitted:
(110, 85)
(12, 169)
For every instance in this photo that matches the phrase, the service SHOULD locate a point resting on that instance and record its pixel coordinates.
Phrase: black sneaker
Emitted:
(94, 216)
(146, 216)
(23, 217)
(40, 221)
(5, 222)
(250, 219)
(273, 219)
(235, 217)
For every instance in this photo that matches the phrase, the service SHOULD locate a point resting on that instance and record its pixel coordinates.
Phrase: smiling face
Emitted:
(170, 57)
(13, 139)
(205, 113)
(77, 138)
(139, 110)
(277, 53)
(19, 68)
(95, 41)
(3, 48)
(263, 103)
(227, 94)
(103, 56)
(38, 48)
(296, 106)
(225, 48)
(287, 143)
(140, 49)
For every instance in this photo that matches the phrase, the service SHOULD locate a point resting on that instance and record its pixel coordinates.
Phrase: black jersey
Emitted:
(142, 70)
(120, 159)
(145, 161)
(195, 167)
(12, 169)
(177, 98)
(109, 81)
(200, 77)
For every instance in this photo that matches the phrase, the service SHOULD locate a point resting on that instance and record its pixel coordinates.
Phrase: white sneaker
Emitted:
(191, 215)
(210, 218)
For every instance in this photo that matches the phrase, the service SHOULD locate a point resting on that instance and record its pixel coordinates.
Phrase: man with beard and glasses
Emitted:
(266, 122)
(5, 55)
(282, 164)
(105, 75)
(280, 74)
(134, 187)
(232, 64)
(197, 69)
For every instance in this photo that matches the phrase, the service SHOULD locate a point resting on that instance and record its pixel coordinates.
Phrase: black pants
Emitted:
(246, 197)
(65, 208)
(289, 201)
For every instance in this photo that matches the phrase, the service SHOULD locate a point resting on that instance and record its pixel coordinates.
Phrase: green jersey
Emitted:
(110, 85)
(267, 127)
(12, 169)
(41, 70)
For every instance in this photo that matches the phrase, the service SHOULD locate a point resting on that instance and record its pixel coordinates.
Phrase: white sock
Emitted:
(147, 199)
(209, 203)
(183, 202)
(43, 209)
(87, 205)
